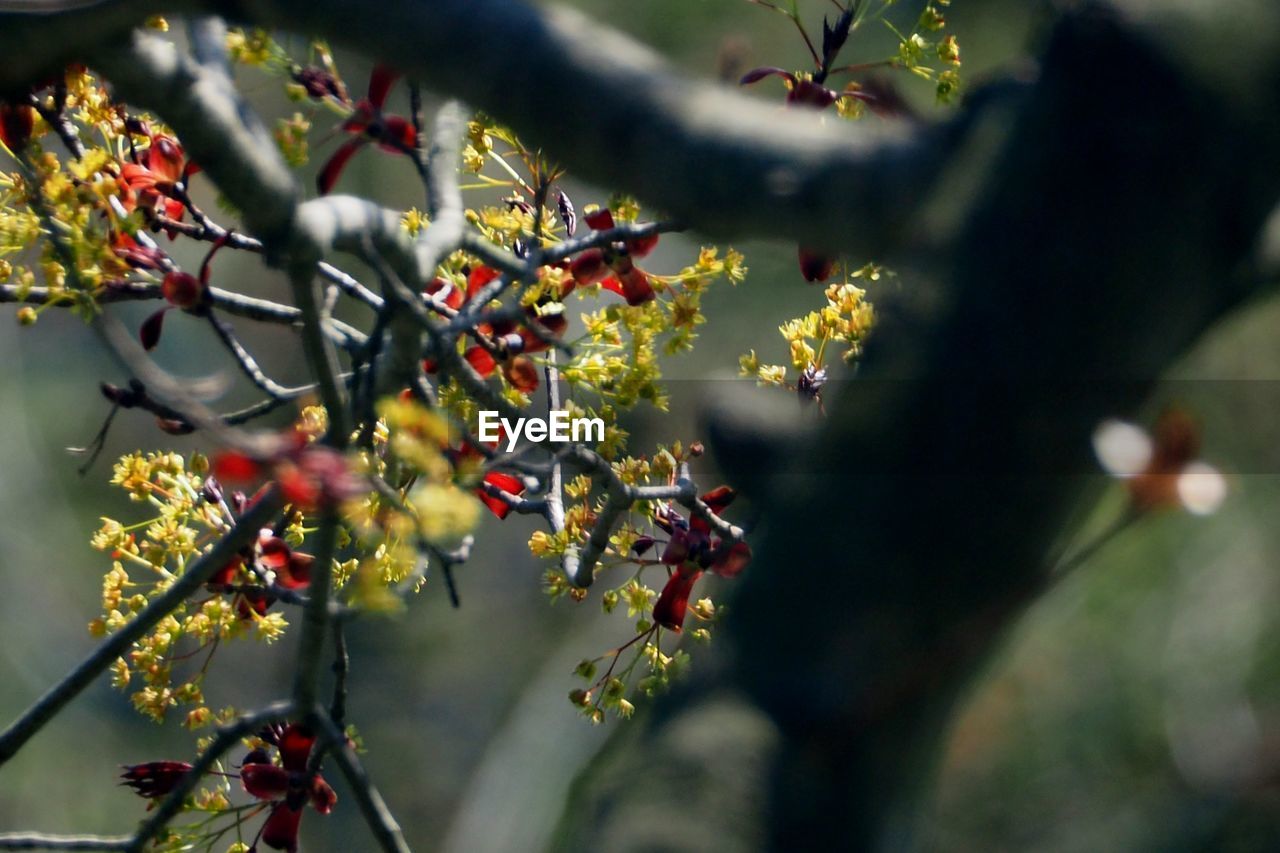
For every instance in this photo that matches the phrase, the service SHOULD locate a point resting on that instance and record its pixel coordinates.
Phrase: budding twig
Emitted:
(196, 575)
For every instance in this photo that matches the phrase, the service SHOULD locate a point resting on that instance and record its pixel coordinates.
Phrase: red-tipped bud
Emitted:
(522, 374)
(155, 778)
(600, 219)
(265, 781)
(149, 331)
(814, 265)
(16, 124)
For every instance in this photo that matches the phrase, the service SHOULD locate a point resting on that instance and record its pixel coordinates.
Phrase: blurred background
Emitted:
(1136, 707)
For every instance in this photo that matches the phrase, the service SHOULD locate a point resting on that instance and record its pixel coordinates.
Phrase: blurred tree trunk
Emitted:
(1095, 223)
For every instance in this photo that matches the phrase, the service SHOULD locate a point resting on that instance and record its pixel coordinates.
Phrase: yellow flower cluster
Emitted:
(844, 322)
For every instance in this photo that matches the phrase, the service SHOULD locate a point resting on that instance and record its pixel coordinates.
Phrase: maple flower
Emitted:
(505, 339)
(367, 123)
(691, 550)
(310, 476)
(288, 784)
(613, 267)
(151, 180)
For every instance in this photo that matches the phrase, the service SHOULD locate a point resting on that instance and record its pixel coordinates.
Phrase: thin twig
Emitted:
(315, 618)
(43, 841)
(376, 814)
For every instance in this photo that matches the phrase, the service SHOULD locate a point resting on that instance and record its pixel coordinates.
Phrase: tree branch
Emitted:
(196, 575)
(43, 841)
(376, 814)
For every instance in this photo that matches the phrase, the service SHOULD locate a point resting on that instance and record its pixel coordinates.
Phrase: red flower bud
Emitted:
(236, 468)
(589, 267)
(149, 331)
(478, 357)
(323, 798)
(165, 159)
(280, 832)
(815, 266)
(183, 290)
(265, 781)
(155, 778)
(295, 744)
(810, 94)
(381, 79)
(632, 285)
(599, 220)
(453, 297)
(719, 498)
(332, 169)
(641, 246)
(478, 278)
(522, 374)
(16, 123)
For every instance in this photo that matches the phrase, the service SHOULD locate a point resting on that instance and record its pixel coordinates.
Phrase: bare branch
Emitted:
(381, 822)
(42, 841)
(315, 618)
